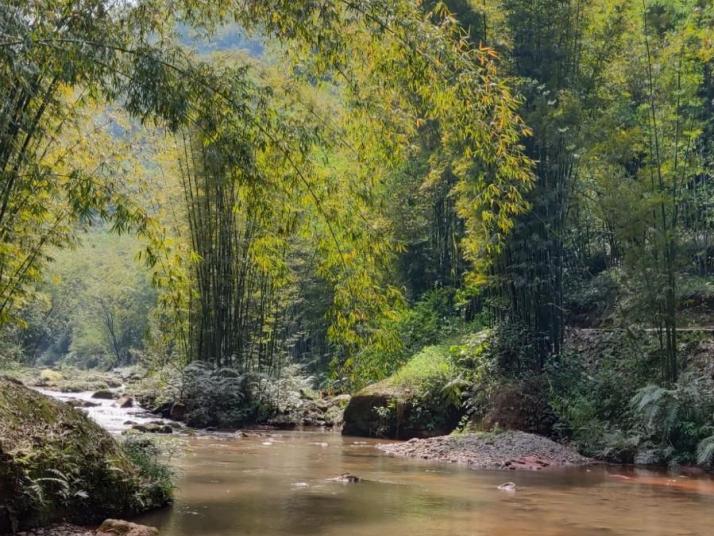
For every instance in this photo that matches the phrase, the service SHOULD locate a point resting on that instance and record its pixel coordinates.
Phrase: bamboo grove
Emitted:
(518, 157)
(125, 53)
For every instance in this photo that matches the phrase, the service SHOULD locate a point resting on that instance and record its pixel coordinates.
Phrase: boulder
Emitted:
(153, 428)
(410, 403)
(177, 411)
(385, 411)
(76, 403)
(116, 527)
(345, 478)
(105, 394)
(125, 402)
(508, 487)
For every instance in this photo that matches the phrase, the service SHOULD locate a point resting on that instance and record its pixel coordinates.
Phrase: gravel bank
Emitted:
(504, 450)
(58, 530)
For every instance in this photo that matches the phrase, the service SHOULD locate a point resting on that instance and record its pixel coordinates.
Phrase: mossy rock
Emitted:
(56, 463)
(408, 404)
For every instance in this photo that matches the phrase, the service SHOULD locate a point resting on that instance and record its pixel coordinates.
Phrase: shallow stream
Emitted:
(278, 483)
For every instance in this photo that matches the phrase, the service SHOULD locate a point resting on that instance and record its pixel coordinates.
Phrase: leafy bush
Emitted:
(589, 299)
(431, 366)
(705, 451)
(157, 476)
(678, 418)
(223, 397)
(434, 319)
(590, 388)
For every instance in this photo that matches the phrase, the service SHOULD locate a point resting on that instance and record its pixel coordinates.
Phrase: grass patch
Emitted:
(431, 365)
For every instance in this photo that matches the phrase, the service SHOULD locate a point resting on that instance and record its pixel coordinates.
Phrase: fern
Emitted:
(705, 451)
(453, 391)
(659, 409)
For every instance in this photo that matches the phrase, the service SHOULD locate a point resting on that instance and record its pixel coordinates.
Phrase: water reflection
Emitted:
(278, 484)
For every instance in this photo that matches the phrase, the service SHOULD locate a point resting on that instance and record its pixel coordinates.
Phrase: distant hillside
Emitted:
(226, 38)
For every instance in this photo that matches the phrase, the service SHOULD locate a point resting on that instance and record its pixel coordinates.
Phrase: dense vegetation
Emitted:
(501, 206)
(78, 471)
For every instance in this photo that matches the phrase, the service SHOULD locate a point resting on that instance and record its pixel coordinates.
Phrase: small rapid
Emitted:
(106, 412)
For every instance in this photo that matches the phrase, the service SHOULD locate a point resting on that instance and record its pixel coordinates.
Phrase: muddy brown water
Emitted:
(277, 484)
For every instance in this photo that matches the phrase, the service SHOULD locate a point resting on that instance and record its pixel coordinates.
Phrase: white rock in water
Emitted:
(508, 487)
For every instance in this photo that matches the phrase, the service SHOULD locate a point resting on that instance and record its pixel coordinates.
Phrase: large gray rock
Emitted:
(177, 411)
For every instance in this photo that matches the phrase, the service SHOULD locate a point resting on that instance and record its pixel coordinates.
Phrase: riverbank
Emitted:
(495, 450)
(59, 530)
(57, 464)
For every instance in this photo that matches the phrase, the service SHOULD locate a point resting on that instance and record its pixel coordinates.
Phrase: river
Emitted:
(278, 483)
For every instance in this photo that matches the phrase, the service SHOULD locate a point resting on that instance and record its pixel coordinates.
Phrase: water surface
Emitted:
(277, 484)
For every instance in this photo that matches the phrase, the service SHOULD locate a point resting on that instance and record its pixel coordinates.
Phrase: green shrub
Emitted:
(223, 397)
(432, 366)
(157, 476)
(705, 451)
(678, 418)
(434, 319)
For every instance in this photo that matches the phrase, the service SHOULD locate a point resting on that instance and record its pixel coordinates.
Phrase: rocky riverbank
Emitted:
(503, 450)
(58, 530)
(110, 527)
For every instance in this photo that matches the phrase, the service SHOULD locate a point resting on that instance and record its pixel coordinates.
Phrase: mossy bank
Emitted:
(57, 464)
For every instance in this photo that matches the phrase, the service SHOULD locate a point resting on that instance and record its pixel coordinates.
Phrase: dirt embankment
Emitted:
(503, 450)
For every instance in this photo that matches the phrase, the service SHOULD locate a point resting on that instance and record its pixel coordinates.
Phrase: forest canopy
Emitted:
(234, 132)
(501, 186)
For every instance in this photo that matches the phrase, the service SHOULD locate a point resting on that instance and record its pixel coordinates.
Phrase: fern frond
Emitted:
(705, 451)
